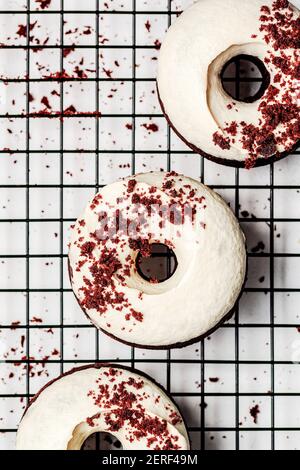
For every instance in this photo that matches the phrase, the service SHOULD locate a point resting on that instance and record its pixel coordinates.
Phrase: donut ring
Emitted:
(191, 220)
(194, 53)
(102, 398)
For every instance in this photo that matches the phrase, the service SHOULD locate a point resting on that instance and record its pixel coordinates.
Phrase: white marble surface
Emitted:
(46, 307)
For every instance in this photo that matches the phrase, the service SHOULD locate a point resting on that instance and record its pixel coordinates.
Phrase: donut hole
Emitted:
(245, 78)
(159, 266)
(101, 441)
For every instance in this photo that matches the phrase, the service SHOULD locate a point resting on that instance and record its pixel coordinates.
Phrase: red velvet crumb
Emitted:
(221, 141)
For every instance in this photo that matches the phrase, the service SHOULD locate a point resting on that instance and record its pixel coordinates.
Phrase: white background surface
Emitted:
(51, 302)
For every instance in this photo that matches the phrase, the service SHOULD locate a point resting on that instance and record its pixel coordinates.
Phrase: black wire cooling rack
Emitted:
(202, 432)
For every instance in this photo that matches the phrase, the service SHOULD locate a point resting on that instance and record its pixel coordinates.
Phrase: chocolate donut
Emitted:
(121, 223)
(102, 398)
(205, 38)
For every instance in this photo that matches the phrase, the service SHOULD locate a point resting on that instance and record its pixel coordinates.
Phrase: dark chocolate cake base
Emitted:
(224, 161)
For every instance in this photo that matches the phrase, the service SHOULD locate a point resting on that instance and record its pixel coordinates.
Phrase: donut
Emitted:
(102, 398)
(192, 59)
(123, 221)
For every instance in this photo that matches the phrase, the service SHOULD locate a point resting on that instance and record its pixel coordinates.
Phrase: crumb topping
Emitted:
(108, 254)
(279, 108)
(123, 402)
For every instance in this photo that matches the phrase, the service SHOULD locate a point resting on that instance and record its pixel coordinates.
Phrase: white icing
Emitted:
(57, 419)
(196, 48)
(211, 269)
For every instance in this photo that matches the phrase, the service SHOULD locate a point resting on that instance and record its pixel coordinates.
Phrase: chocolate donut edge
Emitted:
(259, 162)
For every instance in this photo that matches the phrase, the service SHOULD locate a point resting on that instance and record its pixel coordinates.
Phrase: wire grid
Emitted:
(202, 432)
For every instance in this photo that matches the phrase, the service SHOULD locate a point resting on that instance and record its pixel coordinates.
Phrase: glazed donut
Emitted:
(102, 398)
(192, 58)
(123, 221)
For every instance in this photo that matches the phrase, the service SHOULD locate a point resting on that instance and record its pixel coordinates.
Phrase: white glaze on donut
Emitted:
(209, 246)
(107, 399)
(198, 45)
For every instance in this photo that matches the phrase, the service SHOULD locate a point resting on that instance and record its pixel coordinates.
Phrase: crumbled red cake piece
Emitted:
(152, 127)
(148, 26)
(101, 293)
(143, 246)
(271, 93)
(70, 110)
(67, 51)
(87, 248)
(175, 418)
(45, 102)
(36, 320)
(131, 185)
(58, 75)
(279, 112)
(221, 141)
(22, 30)
(44, 3)
(267, 146)
(108, 72)
(281, 29)
(90, 421)
(168, 184)
(280, 4)
(123, 402)
(232, 128)
(138, 316)
(254, 412)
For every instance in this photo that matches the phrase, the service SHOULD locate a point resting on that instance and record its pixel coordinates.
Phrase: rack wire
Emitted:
(203, 433)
